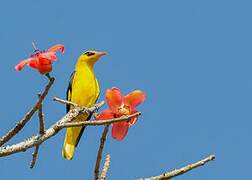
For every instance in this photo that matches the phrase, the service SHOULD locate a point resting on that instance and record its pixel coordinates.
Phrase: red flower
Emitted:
(41, 60)
(118, 106)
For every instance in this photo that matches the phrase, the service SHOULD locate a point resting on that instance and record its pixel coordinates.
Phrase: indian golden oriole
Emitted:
(83, 89)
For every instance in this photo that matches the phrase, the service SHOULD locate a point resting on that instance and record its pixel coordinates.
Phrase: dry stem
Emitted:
(105, 168)
(99, 155)
(65, 101)
(101, 122)
(34, 156)
(41, 118)
(181, 171)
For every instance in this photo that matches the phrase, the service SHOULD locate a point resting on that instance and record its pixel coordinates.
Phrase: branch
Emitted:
(34, 156)
(101, 122)
(41, 132)
(99, 155)
(65, 101)
(41, 118)
(27, 117)
(105, 168)
(178, 172)
(53, 130)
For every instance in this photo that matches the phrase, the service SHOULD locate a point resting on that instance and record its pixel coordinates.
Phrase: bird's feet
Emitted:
(85, 110)
(96, 106)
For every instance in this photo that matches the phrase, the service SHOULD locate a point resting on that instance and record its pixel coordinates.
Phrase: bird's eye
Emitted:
(89, 53)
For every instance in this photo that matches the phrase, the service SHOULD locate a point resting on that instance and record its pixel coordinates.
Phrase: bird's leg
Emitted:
(96, 106)
(85, 110)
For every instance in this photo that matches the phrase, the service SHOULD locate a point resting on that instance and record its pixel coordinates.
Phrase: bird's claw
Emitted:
(96, 107)
(85, 110)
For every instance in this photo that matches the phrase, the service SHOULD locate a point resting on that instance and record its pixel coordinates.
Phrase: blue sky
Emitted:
(191, 58)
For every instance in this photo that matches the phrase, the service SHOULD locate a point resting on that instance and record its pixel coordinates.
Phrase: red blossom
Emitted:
(41, 60)
(118, 106)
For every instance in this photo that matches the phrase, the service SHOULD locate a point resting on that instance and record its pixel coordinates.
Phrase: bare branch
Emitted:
(101, 122)
(178, 172)
(65, 101)
(53, 130)
(105, 168)
(41, 132)
(34, 156)
(41, 118)
(99, 155)
(27, 117)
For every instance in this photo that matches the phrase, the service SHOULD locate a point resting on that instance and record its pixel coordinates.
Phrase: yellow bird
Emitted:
(83, 89)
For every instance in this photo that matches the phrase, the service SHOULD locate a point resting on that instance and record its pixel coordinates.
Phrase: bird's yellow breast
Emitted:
(85, 89)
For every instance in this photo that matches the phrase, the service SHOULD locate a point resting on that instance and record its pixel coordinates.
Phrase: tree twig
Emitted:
(27, 117)
(178, 172)
(65, 101)
(34, 156)
(99, 155)
(41, 118)
(101, 122)
(41, 132)
(53, 130)
(105, 168)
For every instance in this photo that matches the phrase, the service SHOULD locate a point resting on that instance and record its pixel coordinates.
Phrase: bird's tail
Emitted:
(70, 141)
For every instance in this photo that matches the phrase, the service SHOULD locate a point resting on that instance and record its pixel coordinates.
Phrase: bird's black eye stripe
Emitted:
(89, 53)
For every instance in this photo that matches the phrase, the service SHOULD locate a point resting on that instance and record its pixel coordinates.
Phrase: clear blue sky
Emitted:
(192, 58)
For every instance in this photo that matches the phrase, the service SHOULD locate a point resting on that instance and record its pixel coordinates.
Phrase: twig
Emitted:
(99, 155)
(27, 117)
(65, 101)
(181, 171)
(41, 132)
(105, 168)
(41, 118)
(53, 130)
(100, 122)
(34, 156)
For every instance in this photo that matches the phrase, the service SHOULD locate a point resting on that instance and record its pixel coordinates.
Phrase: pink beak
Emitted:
(99, 54)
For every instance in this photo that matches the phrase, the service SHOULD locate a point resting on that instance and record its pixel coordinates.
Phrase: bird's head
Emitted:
(90, 57)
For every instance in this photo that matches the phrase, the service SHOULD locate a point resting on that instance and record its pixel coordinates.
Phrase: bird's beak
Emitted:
(99, 54)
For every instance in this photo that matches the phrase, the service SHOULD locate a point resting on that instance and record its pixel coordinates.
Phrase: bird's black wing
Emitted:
(69, 91)
(83, 128)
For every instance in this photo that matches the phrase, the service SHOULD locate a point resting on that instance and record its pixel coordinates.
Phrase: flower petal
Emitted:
(56, 48)
(30, 61)
(134, 119)
(33, 64)
(51, 56)
(114, 98)
(106, 114)
(119, 130)
(134, 99)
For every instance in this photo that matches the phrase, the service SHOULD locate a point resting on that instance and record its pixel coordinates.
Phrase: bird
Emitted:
(83, 90)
